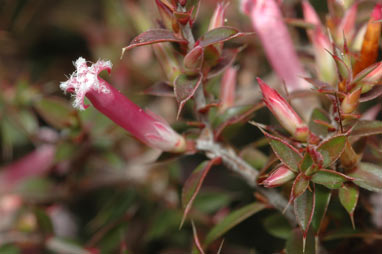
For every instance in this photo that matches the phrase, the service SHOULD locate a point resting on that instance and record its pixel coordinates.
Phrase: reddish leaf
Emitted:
(153, 36)
(160, 89)
(372, 94)
(185, 87)
(332, 149)
(368, 176)
(194, 183)
(322, 198)
(304, 209)
(299, 186)
(348, 195)
(286, 153)
(226, 59)
(365, 128)
(194, 59)
(220, 34)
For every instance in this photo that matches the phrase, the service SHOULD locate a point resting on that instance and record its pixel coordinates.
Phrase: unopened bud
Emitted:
(286, 115)
(165, 12)
(227, 88)
(217, 19)
(279, 177)
(351, 101)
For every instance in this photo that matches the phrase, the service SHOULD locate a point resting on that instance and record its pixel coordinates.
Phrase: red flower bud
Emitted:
(278, 177)
(147, 127)
(286, 115)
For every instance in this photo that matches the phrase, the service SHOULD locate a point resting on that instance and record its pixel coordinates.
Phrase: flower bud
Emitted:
(351, 102)
(148, 128)
(370, 44)
(217, 19)
(278, 177)
(281, 109)
(227, 88)
(347, 25)
(165, 12)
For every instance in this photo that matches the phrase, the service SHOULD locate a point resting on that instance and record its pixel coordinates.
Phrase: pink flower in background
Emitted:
(281, 109)
(269, 25)
(147, 127)
(227, 88)
(35, 163)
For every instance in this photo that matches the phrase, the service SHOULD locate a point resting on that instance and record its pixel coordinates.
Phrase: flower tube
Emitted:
(147, 127)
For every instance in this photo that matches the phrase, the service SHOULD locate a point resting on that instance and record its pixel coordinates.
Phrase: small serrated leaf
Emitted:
(220, 34)
(332, 149)
(285, 152)
(322, 199)
(368, 176)
(348, 196)
(194, 183)
(365, 128)
(232, 220)
(304, 209)
(185, 87)
(329, 178)
(153, 36)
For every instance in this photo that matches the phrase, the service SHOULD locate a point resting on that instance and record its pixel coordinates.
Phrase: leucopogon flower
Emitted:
(145, 126)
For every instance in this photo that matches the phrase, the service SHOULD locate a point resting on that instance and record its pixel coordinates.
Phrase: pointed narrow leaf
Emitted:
(304, 209)
(323, 196)
(365, 128)
(232, 220)
(226, 59)
(220, 34)
(153, 36)
(185, 87)
(329, 178)
(286, 153)
(294, 244)
(348, 195)
(332, 149)
(299, 186)
(306, 162)
(368, 176)
(318, 129)
(194, 183)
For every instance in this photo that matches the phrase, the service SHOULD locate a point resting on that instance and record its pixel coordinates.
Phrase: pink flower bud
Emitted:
(148, 128)
(374, 77)
(281, 109)
(227, 88)
(33, 164)
(269, 25)
(217, 19)
(347, 25)
(279, 177)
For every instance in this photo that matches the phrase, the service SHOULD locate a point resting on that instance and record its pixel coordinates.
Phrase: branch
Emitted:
(249, 174)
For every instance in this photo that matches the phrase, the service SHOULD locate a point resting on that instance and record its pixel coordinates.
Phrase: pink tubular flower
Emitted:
(217, 19)
(279, 177)
(326, 67)
(227, 88)
(268, 24)
(149, 128)
(35, 163)
(281, 109)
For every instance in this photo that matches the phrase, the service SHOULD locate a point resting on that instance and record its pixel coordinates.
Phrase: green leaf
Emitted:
(9, 249)
(304, 209)
(185, 87)
(323, 196)
(220, 34)
(328, 178)
(194, 183)
(277, 225)
(306, 162)
(295, 243)
(286, 153)
(332, 149)
(226, 59)
(318, 129)
(348, 195)
(368, 176)
(56, 111)
(232, 220)
(299, 186)
(365, 128)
